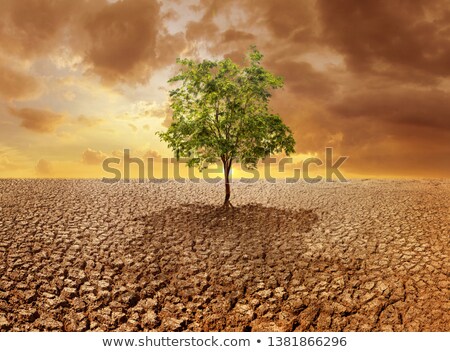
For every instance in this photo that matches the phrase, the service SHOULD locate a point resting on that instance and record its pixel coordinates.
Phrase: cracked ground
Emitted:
(367, 255)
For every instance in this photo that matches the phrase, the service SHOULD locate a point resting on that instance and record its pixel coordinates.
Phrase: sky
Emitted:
(83, 80)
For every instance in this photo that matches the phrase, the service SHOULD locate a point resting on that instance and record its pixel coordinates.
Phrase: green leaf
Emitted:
(221, 110)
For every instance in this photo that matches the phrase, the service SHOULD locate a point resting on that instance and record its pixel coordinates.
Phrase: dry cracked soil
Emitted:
(366, 255)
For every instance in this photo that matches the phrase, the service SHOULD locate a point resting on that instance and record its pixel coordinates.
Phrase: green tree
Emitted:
(221, 110)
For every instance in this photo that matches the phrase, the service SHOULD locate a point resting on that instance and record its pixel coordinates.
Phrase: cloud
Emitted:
(413, 107)
(152, 154)
(232, 35)
(302, 79)
(17, 85)
(93, 157)
(295, 20)
(44, 167)
(29, 28)
(144, 109)
(201, 30)
(385, 36)
(38, 120)
(292, 25)
(123, 41)
(126, 41)
(399, 132)
(89, 121)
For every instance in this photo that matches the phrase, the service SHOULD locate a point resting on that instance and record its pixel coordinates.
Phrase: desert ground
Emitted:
(366, 255)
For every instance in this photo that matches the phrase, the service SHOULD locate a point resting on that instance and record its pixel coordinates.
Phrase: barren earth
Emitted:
(366, 255)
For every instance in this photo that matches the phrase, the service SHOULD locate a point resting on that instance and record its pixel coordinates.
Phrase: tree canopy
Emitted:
(221, 110)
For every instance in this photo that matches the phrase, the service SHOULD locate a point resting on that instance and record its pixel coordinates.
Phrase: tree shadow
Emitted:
(219, 240)
(243, 221)
(214, 257)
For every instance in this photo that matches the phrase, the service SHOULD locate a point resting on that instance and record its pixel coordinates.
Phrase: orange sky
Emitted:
(82, 80)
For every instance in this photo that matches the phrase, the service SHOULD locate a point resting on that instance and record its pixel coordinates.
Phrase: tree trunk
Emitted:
(227, 168)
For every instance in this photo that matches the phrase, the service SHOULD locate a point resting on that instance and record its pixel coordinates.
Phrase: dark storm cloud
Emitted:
(124, 41)
(389, 35)
(422, 108)
(32, 27)
(37, 120)
(302, 79)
